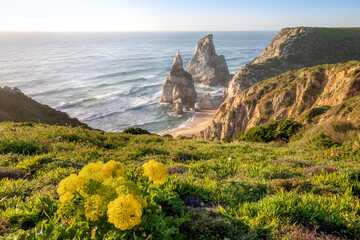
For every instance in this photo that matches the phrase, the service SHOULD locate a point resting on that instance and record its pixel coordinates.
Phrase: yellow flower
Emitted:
(67, 185)
(93, 171)
(125, 212)
(113, 169)
(71, 184)
(155, 171)
(95, 207)
(66, 197)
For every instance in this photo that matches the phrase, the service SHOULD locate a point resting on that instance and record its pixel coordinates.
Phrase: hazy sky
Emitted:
(174, 15)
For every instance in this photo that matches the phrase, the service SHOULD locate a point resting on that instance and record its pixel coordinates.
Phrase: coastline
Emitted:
(200, 122)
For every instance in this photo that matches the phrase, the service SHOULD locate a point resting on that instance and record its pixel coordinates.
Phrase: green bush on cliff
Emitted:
(273, 130)
(136, 131)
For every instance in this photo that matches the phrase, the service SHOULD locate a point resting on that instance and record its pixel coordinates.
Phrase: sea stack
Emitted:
(178, 88)
(205, 103)
(206, 66)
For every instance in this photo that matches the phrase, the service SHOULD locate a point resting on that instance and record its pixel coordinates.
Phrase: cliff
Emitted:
(295, 48)
(17, 107)
(309, 95)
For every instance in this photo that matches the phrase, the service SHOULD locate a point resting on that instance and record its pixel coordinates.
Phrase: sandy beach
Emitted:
(201, 121)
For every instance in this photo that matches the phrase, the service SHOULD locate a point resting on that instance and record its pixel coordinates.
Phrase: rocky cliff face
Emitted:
(310, 95)
(295, 48)
(16, 106)
(178, 88)
(206, 66)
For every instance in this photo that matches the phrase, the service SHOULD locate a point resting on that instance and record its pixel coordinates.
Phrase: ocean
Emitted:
(113, 81)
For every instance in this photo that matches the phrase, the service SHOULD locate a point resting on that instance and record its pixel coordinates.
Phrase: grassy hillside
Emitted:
(17, 107)
(215, 190)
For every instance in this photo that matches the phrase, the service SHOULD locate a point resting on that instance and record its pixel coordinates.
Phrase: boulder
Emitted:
(205, 103)
(178, 107)
(206, 66)
(197, 107)
(179, 85)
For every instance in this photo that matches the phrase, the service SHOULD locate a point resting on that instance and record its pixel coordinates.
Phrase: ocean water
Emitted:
(113, 81)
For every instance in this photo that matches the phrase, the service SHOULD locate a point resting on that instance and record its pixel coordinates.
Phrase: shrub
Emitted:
(136, 131)
(273, 130)
(316, 112)
(340, 130)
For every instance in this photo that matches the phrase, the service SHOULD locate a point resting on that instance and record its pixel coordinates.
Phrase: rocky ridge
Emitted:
(17, 107)
(295, 48)
(178, 88)
(309, 95)
(206, 66)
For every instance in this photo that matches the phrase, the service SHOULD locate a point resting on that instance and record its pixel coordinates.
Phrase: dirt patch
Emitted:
(176, 170)
(11, 173)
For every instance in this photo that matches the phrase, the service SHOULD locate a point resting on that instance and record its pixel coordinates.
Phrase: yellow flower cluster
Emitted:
(155, 171)
(125, 212)
(104, 189)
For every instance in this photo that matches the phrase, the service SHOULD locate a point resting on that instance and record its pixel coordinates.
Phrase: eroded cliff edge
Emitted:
(310, 95)
(295, 48)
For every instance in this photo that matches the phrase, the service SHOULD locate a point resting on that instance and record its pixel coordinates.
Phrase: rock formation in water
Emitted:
(205, 103)
(310, 95)
(17, 107)
(206, 66)
(295, 48)
(178, 88)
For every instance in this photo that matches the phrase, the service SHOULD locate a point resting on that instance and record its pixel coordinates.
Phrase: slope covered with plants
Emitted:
(55, 184)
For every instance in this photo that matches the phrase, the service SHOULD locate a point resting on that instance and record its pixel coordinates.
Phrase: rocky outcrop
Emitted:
(179, 86)
(295, 48)
(310, 95)
(205, 103)
(206, 66)
(178, 107)
(17, 107)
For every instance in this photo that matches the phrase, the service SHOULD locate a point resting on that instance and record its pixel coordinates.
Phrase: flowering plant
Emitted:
(101, 195)
(104, 191)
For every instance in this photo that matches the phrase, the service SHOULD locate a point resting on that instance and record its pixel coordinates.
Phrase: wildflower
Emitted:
(93, 170)
(125, 212)
(95, 207)
(66, 197)
(70, 184)
(155, 171)
(113, 169)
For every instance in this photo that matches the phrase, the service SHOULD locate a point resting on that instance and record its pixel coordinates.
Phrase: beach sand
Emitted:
(201, 121)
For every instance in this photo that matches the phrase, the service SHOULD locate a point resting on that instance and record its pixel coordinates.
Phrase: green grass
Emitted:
(242, 190)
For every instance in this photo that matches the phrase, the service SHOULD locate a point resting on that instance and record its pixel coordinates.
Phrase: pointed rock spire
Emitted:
(178, 62)
(206, 66)
(178, 88)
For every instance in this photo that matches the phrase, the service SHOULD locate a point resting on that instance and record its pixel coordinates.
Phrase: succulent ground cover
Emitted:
(211, 189)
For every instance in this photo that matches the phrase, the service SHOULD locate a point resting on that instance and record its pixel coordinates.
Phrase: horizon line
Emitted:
(125, 31)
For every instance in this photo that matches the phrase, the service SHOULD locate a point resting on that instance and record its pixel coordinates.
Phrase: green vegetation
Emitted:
(271, 131)
(136, 131)
(214, 190)
(316, 112)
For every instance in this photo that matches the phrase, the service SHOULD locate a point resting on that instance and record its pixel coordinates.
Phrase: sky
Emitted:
(175, 15)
